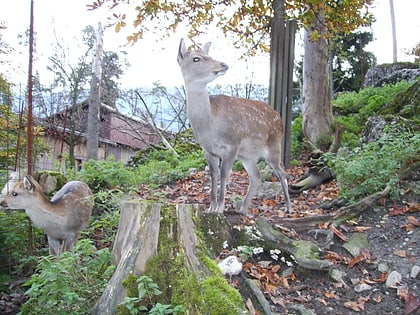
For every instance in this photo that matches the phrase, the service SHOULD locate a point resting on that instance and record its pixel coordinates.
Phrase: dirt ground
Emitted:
(359, 285)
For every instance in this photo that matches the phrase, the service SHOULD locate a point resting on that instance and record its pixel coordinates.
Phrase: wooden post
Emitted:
(281, 72)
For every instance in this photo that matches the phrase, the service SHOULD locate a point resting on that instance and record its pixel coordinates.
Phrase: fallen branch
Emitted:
(337, 217)
(255, 290)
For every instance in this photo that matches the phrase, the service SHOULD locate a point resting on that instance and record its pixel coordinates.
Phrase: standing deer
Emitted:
(229, 128)
(62, 218)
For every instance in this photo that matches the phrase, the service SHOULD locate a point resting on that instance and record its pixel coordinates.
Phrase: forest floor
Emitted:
(384, 279)
(362, 284)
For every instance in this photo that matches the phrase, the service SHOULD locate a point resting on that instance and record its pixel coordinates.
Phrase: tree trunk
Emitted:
(316, 108)
(394, 32)
(95, 98)
(164, 243)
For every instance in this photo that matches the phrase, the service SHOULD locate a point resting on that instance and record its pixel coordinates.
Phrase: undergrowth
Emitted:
(369, 169)
(69, 283)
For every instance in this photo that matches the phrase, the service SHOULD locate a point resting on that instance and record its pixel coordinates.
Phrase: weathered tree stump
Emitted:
(135, 243)
(171, 239)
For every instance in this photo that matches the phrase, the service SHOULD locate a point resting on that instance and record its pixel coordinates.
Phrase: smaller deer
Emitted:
(229, 128)
(62, 218)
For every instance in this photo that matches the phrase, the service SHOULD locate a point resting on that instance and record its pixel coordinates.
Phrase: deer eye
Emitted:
(14, 193)
(196, 59)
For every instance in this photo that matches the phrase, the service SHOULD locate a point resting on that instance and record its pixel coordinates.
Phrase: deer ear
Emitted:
(27, 183)
(182, 50)
(206, 47)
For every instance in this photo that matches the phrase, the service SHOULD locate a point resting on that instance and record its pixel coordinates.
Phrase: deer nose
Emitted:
(224, 66)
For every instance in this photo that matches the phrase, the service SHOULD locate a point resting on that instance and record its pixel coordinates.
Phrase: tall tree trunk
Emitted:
(394, 32)
(95, 98)
(316, 108)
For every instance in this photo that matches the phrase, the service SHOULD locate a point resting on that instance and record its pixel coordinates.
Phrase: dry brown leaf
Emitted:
(362, 228)
(413, 207)
(340, 235)
(322, 301)
(413, 220)
(401, 253)
(330, 294)
(356, 260)
(270, 288)
(412, 303)
(397, 210)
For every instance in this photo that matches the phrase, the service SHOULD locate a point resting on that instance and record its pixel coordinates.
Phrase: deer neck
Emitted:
(43, 213)
(198, 104)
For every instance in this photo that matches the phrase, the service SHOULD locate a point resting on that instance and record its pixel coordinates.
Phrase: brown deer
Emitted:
(229, 128)
(62, 218)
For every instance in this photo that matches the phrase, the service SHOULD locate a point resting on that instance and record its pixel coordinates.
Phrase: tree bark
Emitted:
(316, 107)
(135, 243)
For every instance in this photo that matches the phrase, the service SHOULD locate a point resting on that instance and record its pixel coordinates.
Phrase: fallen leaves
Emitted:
(358, 305)
(282, 285)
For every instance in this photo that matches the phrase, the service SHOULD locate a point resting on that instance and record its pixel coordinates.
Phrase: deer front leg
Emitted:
(225, 169)
(254, 182)
(213, 163)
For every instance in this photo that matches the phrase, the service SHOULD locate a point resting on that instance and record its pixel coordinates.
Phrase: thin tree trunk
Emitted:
(394, 32)
(95, 98)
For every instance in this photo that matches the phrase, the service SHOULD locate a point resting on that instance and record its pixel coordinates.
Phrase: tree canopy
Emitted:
(249, 22)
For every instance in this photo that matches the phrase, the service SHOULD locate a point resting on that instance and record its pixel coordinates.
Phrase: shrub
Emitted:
(70, 283)
(105, 175)
(370, 169)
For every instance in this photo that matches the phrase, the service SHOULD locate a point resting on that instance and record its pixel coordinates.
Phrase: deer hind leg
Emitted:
(254, 182)
(54, 246)
(70, 242)
(282, 176)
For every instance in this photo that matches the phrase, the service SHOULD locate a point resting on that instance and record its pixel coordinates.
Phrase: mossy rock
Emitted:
(405, 103)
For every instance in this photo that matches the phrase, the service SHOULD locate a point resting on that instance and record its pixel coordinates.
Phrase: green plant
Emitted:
(366, 170)
(14, 235)
(105, 175)
(103, 227)
(296, 147)
(142, 300)
(70, 283)
(351, 110)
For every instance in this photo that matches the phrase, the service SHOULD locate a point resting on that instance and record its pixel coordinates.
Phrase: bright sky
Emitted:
(154, 60)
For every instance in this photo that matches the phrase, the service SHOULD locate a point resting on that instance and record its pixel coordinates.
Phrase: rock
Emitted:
(375, 127)
(391, 73)
(356, 243)
(337, 275)
(383, 267)
(394, 278)
(415, 271)
(362, 287)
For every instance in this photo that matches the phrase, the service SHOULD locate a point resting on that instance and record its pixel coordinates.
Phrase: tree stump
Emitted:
(166, 242)
(136, 242)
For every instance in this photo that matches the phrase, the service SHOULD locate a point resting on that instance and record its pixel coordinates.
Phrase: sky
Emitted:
(152, 59)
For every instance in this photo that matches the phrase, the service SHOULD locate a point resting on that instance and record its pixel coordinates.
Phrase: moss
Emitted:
(219, 298)
(180, 286)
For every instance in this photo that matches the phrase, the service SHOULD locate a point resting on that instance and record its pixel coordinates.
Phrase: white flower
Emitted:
(225, 245)
(257, 250)
(274, 253)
